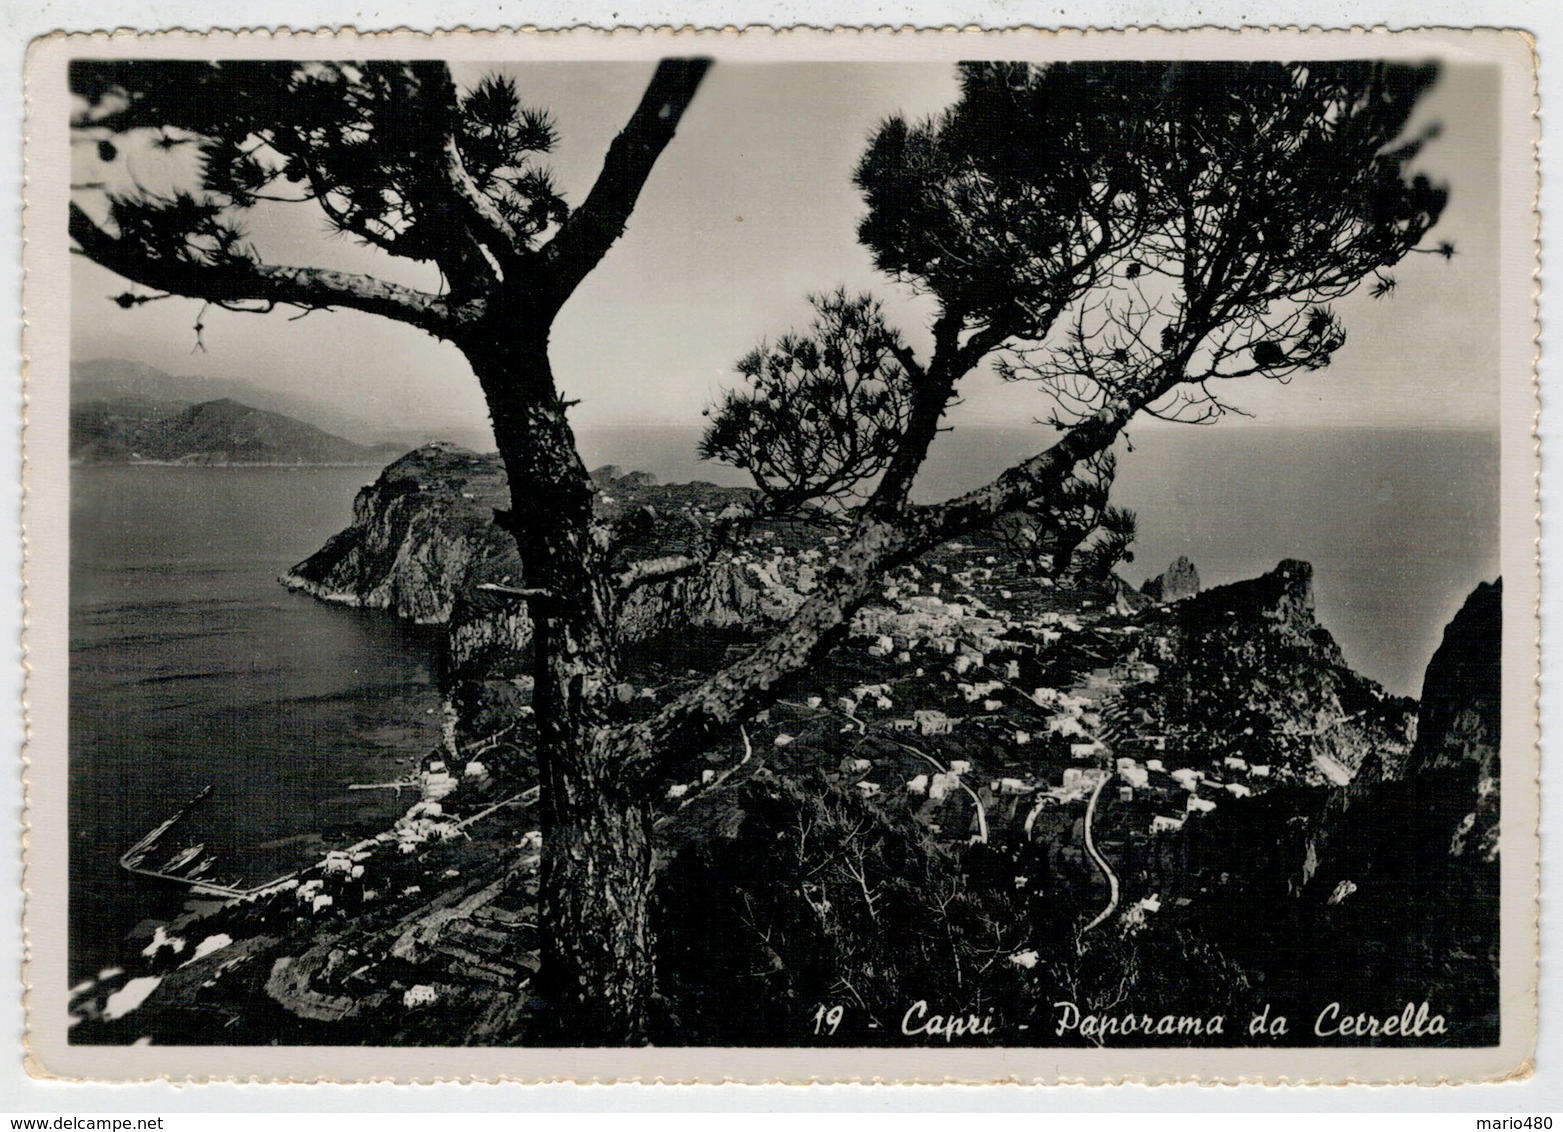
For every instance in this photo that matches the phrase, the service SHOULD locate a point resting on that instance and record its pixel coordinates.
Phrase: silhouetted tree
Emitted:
(1047, 533)
(1114, 533)
(398, 159)
(824, 410)
(1127, 235)
(1179, 220)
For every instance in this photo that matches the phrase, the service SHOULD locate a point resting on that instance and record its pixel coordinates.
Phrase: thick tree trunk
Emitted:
(596, 974)
(596, 871)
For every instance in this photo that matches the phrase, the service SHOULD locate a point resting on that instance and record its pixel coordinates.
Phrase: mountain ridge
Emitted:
(220, 432)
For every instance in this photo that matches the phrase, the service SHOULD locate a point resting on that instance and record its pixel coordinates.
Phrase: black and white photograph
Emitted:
(995, 551)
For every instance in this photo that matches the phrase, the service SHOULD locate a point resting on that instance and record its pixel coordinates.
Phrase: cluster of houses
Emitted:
(343, 871)
(912, 622)
(957, 678)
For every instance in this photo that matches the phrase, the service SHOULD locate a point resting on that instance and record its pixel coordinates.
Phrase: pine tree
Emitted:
(1126, 235)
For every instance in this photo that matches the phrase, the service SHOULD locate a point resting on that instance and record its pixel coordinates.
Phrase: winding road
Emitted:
(1101, 862)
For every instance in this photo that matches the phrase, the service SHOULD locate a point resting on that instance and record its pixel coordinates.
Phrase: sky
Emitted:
(750, 208)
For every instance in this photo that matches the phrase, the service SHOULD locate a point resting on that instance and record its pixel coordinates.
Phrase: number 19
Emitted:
(829, 1016)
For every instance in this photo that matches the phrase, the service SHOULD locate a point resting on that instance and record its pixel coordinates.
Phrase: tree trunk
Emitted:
(596, 974)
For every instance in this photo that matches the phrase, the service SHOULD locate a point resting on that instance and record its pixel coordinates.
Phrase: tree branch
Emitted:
(593, 227)
(652, 570)
(492, 229)
(825, 616)
(1025, 481)
(902, 353)
(931, 391)
(320, 192)
(239, 280)
(757, 680)
(501, 237)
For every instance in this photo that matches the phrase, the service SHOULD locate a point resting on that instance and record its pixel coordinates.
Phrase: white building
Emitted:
(1077, 777)
(933, 722)
(420, 995)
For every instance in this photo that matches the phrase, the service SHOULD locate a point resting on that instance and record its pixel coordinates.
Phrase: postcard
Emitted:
(782, 556)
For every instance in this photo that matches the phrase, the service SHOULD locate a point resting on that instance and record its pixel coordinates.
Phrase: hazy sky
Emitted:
(750, 208)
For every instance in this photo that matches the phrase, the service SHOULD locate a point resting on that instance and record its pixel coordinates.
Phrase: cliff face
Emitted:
(1458, 739)
(1176, 582)
(1392, 880)
(423, 544)
(1461, 691)
(420, 535)
(1247, 671)
(1445, 795)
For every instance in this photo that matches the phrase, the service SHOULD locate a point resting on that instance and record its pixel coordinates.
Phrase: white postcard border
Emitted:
(46, 478)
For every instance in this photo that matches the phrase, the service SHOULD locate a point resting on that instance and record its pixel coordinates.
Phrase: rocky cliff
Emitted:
(1247, 671)
(422, 534)
(1461, 692)
(423, 544)
(1391, 879)
(1176, 582)
(1446, 790)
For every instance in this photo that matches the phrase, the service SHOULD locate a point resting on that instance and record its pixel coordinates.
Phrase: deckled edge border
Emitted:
(1520, 1072)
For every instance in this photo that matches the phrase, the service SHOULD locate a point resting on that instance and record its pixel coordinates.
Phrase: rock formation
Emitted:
(420, 536)
(1176, 582)
(1248, 671)
(1461, 691)
(423, 544)
(1444, 796)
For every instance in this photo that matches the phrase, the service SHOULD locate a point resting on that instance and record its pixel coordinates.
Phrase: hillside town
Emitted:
(1024, 729)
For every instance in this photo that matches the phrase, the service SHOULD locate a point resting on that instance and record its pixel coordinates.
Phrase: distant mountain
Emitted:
(131, 429)
(119, 379)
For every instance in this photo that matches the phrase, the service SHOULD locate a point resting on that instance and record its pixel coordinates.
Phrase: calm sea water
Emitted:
(191, 666)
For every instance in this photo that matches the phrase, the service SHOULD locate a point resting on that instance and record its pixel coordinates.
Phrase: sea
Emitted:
(192, 667)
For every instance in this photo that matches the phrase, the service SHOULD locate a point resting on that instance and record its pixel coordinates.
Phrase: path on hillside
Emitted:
(1101, 862)
(960, 780)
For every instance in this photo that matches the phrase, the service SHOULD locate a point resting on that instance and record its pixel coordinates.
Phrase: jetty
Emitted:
(188, 866)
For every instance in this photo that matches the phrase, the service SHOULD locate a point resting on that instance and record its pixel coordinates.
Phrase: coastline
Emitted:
(433, 518)
(439, 870)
